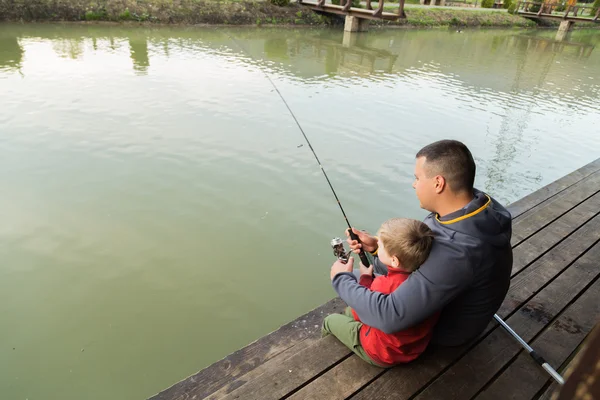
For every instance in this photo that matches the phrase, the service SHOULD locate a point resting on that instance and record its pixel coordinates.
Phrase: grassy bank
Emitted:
(230, 12)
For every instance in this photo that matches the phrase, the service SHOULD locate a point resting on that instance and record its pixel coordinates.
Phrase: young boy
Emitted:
(404, 244)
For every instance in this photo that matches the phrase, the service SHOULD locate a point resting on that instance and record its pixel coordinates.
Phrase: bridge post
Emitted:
(355, 24)
(563, 29)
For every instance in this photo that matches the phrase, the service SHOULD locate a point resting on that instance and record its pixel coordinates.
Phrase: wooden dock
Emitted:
(553, 303)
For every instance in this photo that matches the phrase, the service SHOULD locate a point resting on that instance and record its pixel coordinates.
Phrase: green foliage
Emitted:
(561, 7)
(487, 3)
(596, 6)
(512, 9)
(355, 3)
(280, 3)
(507, 4)
(535, 8)
(95, 15)
(125, 15)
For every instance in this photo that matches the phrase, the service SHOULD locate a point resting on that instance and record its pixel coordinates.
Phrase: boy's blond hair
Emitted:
(408, 239)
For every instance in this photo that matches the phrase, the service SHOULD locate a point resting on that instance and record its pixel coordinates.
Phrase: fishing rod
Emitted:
(341, 255)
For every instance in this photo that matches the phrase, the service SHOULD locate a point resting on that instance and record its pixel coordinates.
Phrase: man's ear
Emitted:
(440, 184)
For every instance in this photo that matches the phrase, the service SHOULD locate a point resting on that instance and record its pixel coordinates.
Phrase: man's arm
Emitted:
(445, 274)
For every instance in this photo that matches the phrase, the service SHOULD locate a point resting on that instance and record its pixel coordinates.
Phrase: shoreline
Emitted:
(239, 13)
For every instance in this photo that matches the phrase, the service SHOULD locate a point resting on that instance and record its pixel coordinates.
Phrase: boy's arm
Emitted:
(444, 275)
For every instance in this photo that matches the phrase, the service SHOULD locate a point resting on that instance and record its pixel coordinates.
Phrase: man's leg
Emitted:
(347, 330)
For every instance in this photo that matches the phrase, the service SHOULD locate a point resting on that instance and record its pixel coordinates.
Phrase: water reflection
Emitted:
(72, 48)
(353, 54)
(322, 55)
(11, 53)
(138, 48)
(508, 143)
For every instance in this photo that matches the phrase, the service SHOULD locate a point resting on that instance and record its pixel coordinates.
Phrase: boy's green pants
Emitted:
(347, 330)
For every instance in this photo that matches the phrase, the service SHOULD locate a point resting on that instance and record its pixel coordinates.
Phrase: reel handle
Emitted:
(363, 257)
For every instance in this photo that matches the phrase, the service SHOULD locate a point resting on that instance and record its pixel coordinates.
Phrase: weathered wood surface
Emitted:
(556, 342)
(556, 236)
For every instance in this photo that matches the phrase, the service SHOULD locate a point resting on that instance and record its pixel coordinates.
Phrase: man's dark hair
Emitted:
(452, 160)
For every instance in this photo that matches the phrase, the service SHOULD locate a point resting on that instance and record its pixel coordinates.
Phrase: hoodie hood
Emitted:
(483, 218)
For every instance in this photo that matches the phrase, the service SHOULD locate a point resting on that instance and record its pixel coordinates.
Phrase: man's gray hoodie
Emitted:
(466, 276)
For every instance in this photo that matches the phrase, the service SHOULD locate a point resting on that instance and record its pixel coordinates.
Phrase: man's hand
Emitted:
(368, 242)
(366, 270)
(339, 266)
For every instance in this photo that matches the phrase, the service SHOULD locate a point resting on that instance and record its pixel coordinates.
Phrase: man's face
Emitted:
(425, 187)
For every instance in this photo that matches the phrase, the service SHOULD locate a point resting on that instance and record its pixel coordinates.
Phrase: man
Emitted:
(467, 273)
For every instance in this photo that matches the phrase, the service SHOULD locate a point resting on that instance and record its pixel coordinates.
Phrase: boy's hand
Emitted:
(366, 270)
(368, 242)
(339, 266)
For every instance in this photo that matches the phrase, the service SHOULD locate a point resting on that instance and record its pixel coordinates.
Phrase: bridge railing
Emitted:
(345, 8)
(551, 9)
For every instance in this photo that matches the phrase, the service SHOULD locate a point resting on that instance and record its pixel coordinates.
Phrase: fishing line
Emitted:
(363, 257)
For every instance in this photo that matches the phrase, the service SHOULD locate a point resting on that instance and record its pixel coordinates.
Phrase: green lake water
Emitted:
(159, 208)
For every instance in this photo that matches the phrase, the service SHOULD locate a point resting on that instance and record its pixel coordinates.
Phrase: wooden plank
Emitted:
(554, 233)
(531, 223)
(555, 344)
(547, 192)
(473, 371)
(404, 382)
(227, 370)
(339, 383)
(534, 277)
(549, 392)
(281, 379)
(260, 369)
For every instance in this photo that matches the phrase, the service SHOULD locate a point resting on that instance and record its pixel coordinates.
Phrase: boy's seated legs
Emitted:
(346, 330)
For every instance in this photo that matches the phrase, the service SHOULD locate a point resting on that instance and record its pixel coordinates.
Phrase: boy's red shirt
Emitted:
(401, 347)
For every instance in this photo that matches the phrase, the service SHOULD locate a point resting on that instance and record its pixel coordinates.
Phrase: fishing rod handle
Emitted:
(363, 257)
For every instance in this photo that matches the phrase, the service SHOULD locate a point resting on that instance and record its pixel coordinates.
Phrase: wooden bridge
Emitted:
(575, 13)
(552, 304)
(550, 10)
(356, 18)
